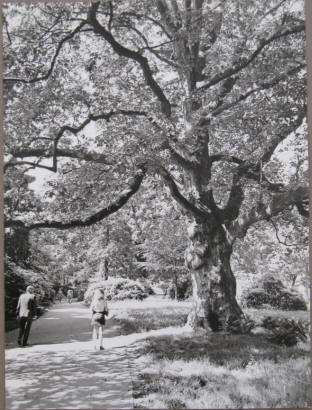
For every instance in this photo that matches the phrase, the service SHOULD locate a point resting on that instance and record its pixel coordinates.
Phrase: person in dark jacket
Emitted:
(26, 312)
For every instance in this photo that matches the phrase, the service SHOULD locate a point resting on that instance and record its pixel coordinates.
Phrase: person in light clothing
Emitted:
(26, 312)
(70, 295)
(98, 310)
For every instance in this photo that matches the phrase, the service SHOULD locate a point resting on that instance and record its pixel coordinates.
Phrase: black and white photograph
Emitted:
(156, 204)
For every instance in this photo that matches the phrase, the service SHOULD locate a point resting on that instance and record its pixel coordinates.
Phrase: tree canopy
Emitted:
(201, 97)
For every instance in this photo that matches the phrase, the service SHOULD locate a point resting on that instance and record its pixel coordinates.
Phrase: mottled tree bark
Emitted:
(214, 285)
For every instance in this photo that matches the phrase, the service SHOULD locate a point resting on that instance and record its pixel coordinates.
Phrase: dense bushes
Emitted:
(16, 281)
(182, 289)
(271, 291)
(179, 289)
(118, 289)
(283, 331)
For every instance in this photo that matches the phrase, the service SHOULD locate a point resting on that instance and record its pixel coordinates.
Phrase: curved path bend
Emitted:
(60, 369)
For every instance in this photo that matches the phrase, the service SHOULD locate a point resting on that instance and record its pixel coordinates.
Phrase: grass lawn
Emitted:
(152, 313)
(215, 370)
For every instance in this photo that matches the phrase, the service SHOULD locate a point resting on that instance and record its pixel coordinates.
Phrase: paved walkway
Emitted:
(61, 369)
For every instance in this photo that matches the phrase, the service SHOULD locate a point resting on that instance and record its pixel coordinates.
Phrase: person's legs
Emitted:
(22, 324)
(27, 330)
(94, 336)
(101, 337)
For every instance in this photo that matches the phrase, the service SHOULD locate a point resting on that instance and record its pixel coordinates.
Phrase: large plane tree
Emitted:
(196, 94)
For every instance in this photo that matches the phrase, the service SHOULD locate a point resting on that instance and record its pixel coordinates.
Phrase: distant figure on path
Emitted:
(52, 295)
(59, 296)
(98, 311)
(26, 312)
(70, 295)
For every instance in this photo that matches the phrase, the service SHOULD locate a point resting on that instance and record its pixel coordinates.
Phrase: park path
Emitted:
(60, 369)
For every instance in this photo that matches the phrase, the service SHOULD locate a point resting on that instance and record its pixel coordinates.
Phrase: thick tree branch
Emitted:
(133, 55)
(296, 123)
(92, 219)
(58, 49)
(236, 198)
(279, 202)
(178, 158)
(301, 209)
(252, 170)
(244, 62)
(55, 152)
(104, 116)
(291, 197)
(176, 194)
(60, 153)
(227, 87)
(6, 29)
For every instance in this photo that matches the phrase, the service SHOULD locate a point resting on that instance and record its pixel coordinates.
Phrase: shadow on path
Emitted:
(62, 323)
(62, 370)
(62, 380)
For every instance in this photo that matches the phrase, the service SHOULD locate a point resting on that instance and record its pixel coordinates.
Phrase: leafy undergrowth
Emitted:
(221, 371)
(259, 314)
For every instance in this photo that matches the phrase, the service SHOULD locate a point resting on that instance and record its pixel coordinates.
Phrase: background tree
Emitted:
(197, 93)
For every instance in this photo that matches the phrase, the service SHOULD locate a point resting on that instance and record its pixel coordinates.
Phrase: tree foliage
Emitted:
(202, 97)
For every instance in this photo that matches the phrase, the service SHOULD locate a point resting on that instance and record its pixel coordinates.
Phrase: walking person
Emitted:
(99, 310)
(26, 312)
(59, 296)
(70, 295)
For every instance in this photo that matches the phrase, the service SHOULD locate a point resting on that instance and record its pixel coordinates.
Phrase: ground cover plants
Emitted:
(200, 383)
(214, 370)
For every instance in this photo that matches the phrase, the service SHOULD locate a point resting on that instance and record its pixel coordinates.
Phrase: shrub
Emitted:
(80, 294)
(16, 281)
(184, 288)
(271, 291)
(239, 326)
(147, 287)
(117, 289)
(283, 331)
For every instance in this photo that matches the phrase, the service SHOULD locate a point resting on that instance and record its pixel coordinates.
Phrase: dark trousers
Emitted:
(25, 324)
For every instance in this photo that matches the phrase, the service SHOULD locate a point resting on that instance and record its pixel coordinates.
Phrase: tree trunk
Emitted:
(105, 269)
(106, 260)
(175, 286)
(214, 285)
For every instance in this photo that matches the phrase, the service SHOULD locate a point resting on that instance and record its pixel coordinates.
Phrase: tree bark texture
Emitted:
(214, 285)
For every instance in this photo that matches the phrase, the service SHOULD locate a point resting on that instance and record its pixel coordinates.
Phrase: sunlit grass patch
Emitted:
(142, 321)
(234, 351)
(151, 314)
(222, 371)
(214, 370)
(201, 384)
